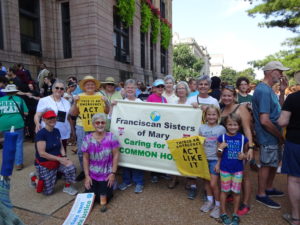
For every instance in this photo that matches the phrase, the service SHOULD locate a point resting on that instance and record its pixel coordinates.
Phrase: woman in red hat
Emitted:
(50, 158)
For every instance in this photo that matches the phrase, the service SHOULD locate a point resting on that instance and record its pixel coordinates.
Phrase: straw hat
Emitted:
(10, 88)
(109, 80)
(89, 78)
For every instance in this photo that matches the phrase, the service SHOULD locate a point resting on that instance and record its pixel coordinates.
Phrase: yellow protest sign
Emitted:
(189, 156)
(88, 106)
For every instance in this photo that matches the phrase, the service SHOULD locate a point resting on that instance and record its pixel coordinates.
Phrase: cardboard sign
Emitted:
(88, 106)
(80, 209)
(190, 156)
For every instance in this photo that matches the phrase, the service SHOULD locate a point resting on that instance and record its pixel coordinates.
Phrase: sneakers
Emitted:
(32, 182)
(274, 193)
(138, 188)
(154, 179)
(124, 186)
(225, 219)
(192, 193)
(70, 190)
(215, 213)
(235, 219)
(207, 206)
(265, 200)
(19, 167)
(243, 210)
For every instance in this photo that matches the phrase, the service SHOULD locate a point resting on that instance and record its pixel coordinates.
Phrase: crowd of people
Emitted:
(238, 124)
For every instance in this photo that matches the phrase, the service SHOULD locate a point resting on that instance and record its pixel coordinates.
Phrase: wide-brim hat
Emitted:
(10, 88)
(109, 80)
(89, 78)
(274, 65)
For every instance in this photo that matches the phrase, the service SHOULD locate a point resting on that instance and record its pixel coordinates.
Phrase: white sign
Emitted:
(80, 209)
(143, 129)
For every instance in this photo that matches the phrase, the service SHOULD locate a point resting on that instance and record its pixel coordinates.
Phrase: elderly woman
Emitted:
(182, 91)
(50, 158)
(100, 160)
(158, 89)
(129, 175)
(60, 106)
(12, 110)
(200, 100)
(169, 92)
(228, 97)
(89, 85)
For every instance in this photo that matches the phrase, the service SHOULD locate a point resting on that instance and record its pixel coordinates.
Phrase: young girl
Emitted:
(212, 130)
(231, 152)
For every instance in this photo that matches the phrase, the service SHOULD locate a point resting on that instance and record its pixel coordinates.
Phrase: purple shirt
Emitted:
(101, 156)
(156, 98)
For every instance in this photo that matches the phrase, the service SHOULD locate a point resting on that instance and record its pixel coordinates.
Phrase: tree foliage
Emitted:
(279, 13)
(230, 75)
(185, 64)
(289, 58)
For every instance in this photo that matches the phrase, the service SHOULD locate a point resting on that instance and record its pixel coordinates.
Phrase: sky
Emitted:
(224, 27)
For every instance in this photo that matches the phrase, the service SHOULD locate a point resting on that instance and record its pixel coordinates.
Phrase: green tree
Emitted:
(279, 13)
(185, 64)
(228, 75)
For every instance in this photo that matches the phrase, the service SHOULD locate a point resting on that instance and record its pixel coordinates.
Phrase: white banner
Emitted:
(143, 128)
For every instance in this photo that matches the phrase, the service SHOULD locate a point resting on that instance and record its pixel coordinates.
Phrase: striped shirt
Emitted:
(101, 156)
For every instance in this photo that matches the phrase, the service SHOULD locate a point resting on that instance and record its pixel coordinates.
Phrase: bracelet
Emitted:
(251, 147)
(220, 150)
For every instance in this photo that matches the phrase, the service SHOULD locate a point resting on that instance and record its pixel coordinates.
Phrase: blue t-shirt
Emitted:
(265, 101)
(229, 161)
(52, 140)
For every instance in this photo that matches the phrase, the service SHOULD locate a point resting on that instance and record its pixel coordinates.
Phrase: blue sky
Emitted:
(224, 27)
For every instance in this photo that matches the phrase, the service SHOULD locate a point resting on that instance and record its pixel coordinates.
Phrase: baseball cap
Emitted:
(274, 65)
(49, 114)
(158, 82)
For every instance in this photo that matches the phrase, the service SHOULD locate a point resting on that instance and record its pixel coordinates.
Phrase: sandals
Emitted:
(288, 217)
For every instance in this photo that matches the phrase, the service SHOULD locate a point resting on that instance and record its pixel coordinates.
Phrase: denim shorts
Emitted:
(291, 159)
(270, 155)
(211, 167)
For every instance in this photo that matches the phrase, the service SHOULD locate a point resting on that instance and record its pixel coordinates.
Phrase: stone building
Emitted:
(217, 64)
(81, 37)
(198, 50)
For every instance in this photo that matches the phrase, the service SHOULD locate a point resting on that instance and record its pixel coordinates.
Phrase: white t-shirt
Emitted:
(203, 101)
(48, 103)
(186, 102)
(136, 100)
(171, 99)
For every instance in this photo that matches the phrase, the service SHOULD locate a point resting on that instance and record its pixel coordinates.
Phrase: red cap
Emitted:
(49, 114)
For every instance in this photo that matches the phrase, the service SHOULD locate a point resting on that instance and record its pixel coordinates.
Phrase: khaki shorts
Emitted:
(270, 155)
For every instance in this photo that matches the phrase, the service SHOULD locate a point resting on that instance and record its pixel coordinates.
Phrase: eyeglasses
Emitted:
(100, 122)
(230, 87)
(160, 86)
(60, 88)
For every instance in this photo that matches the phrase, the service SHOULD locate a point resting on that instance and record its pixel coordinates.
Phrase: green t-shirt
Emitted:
(242, 99)
(9, 113)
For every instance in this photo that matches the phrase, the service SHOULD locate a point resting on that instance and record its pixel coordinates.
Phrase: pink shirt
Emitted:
(156, 98)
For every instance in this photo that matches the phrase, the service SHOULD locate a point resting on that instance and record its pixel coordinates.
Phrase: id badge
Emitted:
(61, 116)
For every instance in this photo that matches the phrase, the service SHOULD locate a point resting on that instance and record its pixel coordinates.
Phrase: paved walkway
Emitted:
(157, 205)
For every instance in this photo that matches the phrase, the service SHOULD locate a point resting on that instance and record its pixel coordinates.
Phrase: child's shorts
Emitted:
(231, 181)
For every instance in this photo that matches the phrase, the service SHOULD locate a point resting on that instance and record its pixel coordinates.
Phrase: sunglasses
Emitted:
(100, 122)
(160, 86)
(111, 84)
(60, 88)
(230, 87)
